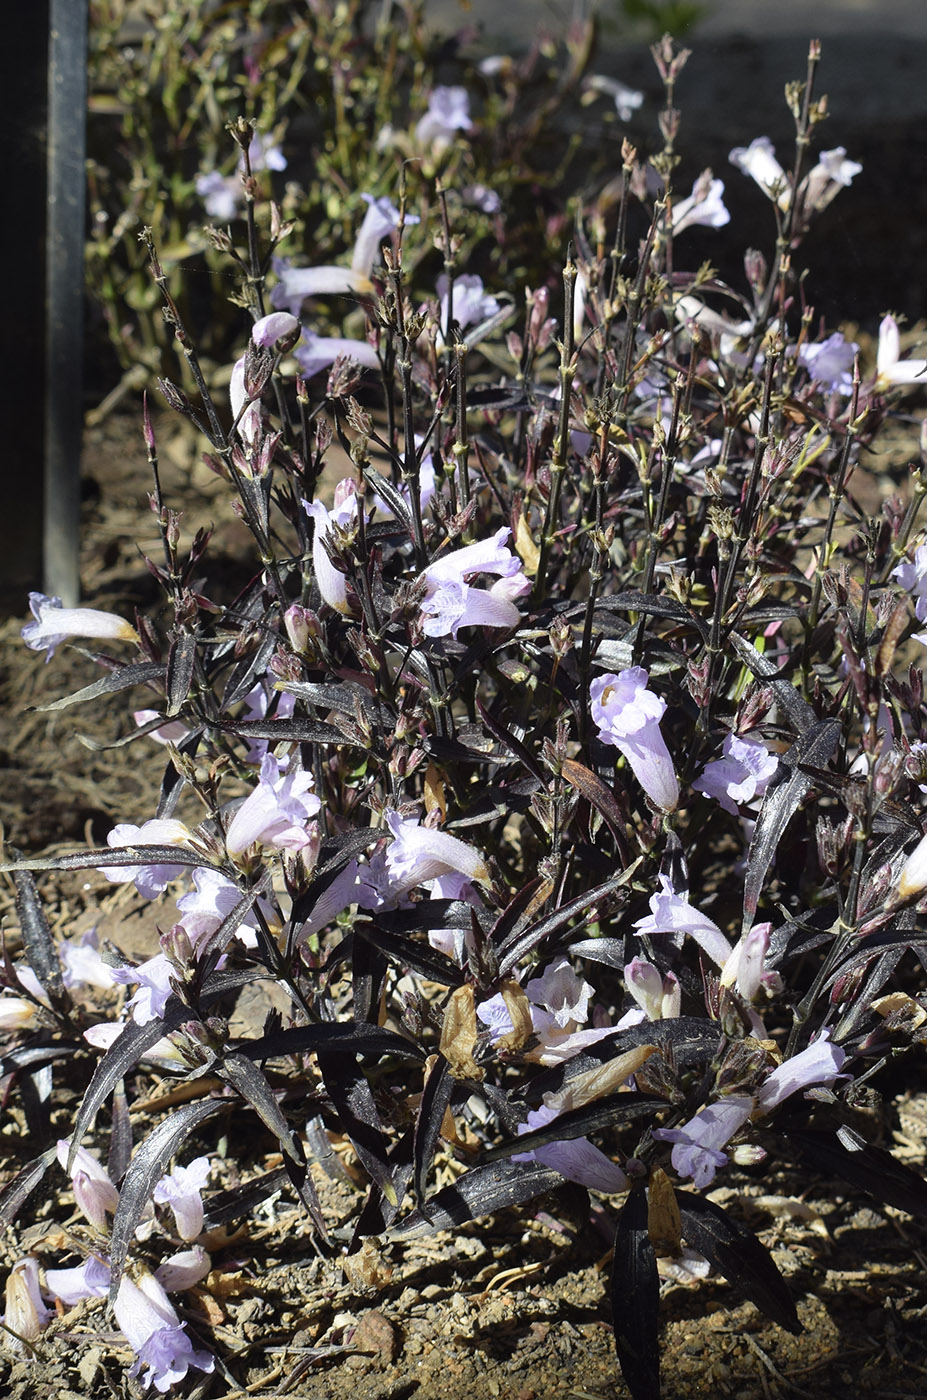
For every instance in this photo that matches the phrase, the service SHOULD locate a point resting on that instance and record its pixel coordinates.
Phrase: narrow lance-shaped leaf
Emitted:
(353, 1098)
(180, 663)
(515, 949)
(739, 1256)
(436, 1096)
(38, 942)
(868, 1167)
(123, 678)
(783, 797)
(253, 1085)
(18, 1190)
(599, 796)
(146, 1168)
(479, 1192)
(635, 1298)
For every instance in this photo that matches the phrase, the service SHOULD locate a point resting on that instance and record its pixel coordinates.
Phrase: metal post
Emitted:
(64, 295)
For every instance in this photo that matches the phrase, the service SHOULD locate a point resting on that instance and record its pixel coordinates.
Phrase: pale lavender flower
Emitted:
(420, 853)
(913, 877)
(150, 880)
(316, 352)
(53, 624)
(270, 330)
(469, 305)
(658, 998)
(626, 99)
(153, 978)
(628, 716)
(819, 1063)
(295, 284)
(264, 156)
(256, 704)
(451, 603)
(482, 198)
(832, 173)
(81, 963)
(276, 813)
(830, 362)
(577, 1159)
(741, 775)
(745, 969)
(172, 731)
(25, 1313)
(672, 913)
(912, 575)
(182, 1189)
(697, 1152)
(331, 582)
(156, 1334)
(184, 1269)
(211, 901)
(890, 369)
(758, 160)
(94, 1191)
(448, 112)
(221, 194)
(561, 992)
(16, 1013)
(705, 205)
(87, 1280)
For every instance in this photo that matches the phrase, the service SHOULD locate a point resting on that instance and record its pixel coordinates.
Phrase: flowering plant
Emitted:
(489, 769)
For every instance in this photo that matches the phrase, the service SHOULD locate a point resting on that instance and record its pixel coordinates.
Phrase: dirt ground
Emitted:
(513, 1306)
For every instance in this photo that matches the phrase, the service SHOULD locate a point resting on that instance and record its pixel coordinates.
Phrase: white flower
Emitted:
(628, 716)
(830, 362)
(742, 774)
(54, 624)
(156, 1334)
(705, 205)
(626, 99)
(182, 1189)
(276, 813)
(672, 913)
(331, 582)
(419, 853)
(94, 1191)
(889, 368)
(758, 160)
(448, 112)
(912, 575)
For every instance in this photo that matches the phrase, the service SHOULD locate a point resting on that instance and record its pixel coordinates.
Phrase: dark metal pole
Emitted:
(64, 295)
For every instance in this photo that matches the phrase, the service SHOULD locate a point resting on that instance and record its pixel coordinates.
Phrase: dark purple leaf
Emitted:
(870, 1168)
(378, 1214)
(181, 660)
(783, 797)
(652, 605)
(635, 1298)
(300, 731)
(610, 951)
(605, 1112)
(136, 673)
(120, 1138)
(146, 1169)
(246, 673)
(343, 698)
(511, 952)
(599, 796)
(38, 942)
(18, 1190)
(251, 1082)
(439, 1086)
(343, 1037)
(798, 710)
(480, 1191)
(240, 1202)
(353, 1099)
(109, 856)
(428, 962)
(738, 1255)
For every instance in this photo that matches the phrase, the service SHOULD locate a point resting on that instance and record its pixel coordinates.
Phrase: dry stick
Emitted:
(561, 442)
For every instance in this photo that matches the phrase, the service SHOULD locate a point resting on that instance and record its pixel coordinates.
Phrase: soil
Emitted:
(515, 1305)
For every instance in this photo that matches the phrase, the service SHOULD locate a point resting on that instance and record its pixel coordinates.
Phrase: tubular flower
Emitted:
(890, 369)
(448, 112)
(156, 1334)
(758, 160)
(576, 1158)
(331, 581)
(672, 913)
(150, 880)
(697, 1145)
(181, 1190)
(451, 602)
(419, 853)
(94, 1191)
(742, 773)
(54, 624)
(705, 205)
(819, 1063)
(295, 284)
(276, 813)
(628, 716)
